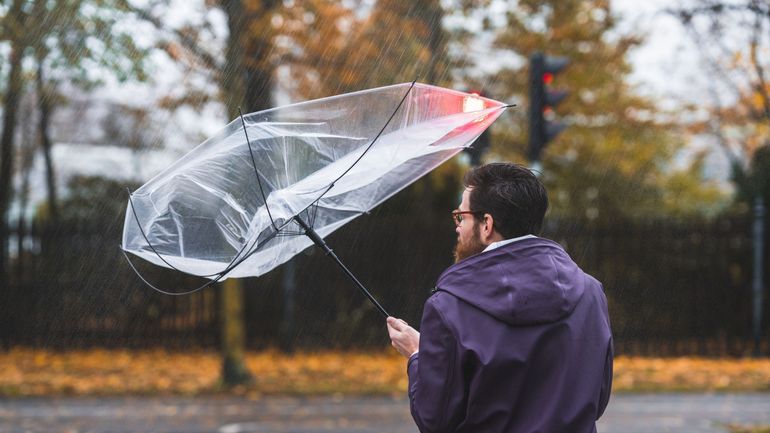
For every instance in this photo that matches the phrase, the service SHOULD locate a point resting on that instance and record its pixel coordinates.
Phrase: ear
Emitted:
(487, 227)
(488, 230)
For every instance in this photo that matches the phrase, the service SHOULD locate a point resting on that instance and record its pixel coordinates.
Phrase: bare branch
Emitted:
(184, 39)
(713, 65)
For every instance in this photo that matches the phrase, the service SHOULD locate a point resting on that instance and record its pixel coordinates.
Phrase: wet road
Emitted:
(653, 413)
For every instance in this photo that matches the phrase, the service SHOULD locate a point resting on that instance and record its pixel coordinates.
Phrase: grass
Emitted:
(27, 372)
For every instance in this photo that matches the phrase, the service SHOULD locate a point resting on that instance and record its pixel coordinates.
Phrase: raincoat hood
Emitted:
(527, 282)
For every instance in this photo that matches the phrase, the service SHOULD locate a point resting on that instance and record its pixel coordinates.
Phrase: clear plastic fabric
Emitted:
(206, 213)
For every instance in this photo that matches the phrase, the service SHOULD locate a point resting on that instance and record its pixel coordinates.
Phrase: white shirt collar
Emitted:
(499, 244)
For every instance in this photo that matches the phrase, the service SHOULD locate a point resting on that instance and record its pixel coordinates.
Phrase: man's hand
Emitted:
(403, 337)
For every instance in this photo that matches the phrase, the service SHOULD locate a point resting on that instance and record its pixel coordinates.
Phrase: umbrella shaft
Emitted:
(313, 235)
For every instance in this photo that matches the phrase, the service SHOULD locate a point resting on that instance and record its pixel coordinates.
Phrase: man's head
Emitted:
(501, 201)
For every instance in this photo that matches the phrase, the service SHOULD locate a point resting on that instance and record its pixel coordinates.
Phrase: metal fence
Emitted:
(674, 287)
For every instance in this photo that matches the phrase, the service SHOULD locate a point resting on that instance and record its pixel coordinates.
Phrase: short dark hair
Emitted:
(515, 198)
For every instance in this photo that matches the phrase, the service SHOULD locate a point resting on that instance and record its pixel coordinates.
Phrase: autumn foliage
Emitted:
(26, 372)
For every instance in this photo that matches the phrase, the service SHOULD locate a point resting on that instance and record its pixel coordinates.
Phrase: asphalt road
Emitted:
(651, 413)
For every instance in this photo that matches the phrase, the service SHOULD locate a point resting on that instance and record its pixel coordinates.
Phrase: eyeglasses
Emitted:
(457, 215)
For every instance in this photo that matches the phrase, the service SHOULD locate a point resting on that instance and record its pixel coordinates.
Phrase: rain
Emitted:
(647, 124)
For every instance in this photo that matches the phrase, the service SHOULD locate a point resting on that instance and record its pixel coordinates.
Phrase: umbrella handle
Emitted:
(316, 238)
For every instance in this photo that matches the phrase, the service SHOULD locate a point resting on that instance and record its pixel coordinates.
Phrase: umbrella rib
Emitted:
(219, 275)
(165, 292)
(312, 211)
(256, 172)
(253, 249)
(376, 137)
(287, 233)
(146, 239)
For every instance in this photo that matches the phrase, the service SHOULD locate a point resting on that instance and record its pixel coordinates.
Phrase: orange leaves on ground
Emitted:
(38, 372)
(115, 372)
(691, 374)
(111, 372)
(328, 372)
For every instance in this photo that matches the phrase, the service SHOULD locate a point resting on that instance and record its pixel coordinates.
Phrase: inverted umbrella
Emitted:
(274, 182)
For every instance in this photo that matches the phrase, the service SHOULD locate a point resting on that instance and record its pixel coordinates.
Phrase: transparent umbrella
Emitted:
(272, 183)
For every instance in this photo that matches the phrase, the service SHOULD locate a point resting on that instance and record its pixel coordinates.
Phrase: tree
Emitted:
(731, 38)
(614, 157)
(245, 79)
(69, 39)
(13, 26)
(45, 96)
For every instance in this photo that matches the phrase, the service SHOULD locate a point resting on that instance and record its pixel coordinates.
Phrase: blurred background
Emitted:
(649, 123)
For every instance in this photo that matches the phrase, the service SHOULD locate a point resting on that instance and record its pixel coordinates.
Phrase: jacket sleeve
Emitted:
(604, 396)
(435, 378)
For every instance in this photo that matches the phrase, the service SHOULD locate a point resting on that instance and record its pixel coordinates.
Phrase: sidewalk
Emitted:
(650, 413)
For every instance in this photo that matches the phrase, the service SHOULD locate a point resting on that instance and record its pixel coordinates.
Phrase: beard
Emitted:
(472, 246)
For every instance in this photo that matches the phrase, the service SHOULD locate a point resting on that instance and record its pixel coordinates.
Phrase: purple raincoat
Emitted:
(515, 340)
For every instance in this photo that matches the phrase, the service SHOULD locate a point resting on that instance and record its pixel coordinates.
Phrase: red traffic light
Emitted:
(543, 125)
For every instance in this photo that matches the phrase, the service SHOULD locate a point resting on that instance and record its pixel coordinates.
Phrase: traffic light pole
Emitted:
(758, 277)
(536, 107)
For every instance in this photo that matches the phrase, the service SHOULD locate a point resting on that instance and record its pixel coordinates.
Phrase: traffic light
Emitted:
(478, 148)
(481, 145)
(542, 100)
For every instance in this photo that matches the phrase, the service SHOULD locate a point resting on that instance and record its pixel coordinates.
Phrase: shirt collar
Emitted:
(499, 244)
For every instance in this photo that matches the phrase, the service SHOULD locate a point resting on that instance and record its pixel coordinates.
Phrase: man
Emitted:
(516, 338)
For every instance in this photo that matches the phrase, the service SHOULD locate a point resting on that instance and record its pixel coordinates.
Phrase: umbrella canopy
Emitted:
(230, 207)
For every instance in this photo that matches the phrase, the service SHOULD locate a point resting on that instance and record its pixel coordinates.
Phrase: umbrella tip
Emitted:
(509, 105)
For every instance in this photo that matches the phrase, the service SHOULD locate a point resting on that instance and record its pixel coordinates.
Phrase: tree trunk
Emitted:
(44, 104)
(27, 149)
(12, 96)
(231, 81)
(246, 80)
(20, 234)
(433, 16)
(234, 371)
(256, 61)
